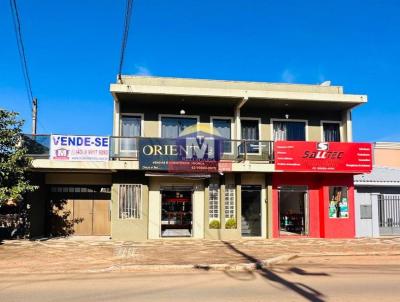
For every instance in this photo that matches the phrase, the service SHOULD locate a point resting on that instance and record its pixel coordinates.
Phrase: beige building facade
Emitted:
(234, 202)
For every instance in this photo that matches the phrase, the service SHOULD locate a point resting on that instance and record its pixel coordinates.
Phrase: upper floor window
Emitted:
(130, 127)
(222, 128)
(331, 132)
(250, 132)
(250, 129)
(172, 127)
(289, 131)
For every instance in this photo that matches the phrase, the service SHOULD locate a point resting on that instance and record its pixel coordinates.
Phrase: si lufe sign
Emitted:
(299, 156)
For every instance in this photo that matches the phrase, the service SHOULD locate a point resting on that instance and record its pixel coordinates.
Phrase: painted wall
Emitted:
(129, 229)
(369, 196)
(151, 117)
(387, 157)
(320, 225)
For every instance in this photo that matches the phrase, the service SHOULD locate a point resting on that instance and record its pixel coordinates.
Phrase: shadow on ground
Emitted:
(301, 289)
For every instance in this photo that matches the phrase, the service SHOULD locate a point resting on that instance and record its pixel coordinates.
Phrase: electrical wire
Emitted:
(128, 14)
(21, 51)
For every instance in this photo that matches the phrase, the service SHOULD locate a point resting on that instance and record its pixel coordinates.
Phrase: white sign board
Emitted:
(79, 148)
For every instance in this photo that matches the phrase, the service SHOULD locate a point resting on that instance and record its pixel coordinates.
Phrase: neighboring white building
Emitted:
(377, 202)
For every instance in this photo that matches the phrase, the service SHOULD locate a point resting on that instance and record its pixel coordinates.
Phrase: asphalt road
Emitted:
(312, 279)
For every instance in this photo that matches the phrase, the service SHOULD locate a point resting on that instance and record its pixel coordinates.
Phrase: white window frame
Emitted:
(288, 120)
(140, 210)
(160, 116)
(216, 117)
(331, 122)
(258, 119)
(141, 116)
(234, 202)
(218, 201)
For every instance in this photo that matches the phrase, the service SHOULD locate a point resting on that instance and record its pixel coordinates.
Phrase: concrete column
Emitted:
(237, 116)
(116, 128)
(347, 125)
(375, 215)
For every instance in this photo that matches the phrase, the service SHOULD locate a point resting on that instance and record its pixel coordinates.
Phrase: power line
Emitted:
(21, 51)
(128, 14)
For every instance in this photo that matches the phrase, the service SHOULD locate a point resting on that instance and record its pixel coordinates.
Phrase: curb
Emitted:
(205, 267)
(230, 267)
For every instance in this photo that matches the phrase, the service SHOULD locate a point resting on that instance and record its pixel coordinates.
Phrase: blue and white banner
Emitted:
(79, 148)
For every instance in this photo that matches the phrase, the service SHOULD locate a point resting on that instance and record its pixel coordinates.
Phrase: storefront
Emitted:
(313, 190)
(313, 205)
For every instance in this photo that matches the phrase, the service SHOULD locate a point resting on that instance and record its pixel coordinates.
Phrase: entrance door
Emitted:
(389, 214)
(293, 210)
(251, 210)
(176, 212)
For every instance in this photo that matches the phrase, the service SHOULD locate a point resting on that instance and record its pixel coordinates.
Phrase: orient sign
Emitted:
(298, 156)
(183, 154)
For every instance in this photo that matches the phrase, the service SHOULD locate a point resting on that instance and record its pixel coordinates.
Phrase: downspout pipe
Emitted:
(237, 115)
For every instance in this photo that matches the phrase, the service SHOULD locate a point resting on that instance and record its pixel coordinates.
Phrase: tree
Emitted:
(13, 162)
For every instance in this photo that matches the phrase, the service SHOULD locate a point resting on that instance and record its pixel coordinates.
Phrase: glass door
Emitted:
(293, 211)
(251, 210)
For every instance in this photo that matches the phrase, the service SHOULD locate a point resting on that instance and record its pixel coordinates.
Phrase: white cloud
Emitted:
(288, 76)
(142, 70)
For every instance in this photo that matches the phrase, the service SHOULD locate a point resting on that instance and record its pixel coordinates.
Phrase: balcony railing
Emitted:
(126, 148)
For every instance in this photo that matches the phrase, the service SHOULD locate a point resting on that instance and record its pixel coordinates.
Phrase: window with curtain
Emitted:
(130, 127)
(172, 127)
(289, 131)
(331, 132)
(250, 132)
(222, 128)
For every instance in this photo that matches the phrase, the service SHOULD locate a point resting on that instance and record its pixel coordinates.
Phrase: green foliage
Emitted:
(214, 224)
(13, 163)
(230, 223)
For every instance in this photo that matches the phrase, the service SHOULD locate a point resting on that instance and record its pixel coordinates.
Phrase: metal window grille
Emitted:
(230, 202)
(130, 201)
(213, 199)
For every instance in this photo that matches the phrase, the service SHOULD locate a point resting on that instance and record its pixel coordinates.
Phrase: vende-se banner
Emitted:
(79, 148)
(299, 156)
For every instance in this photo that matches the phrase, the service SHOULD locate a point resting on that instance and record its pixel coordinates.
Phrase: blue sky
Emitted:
(73, 51)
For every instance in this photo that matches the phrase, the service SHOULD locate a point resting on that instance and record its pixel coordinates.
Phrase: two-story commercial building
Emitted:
(205, 159)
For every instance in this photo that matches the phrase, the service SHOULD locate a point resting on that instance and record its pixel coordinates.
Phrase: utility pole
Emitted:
(34, 115)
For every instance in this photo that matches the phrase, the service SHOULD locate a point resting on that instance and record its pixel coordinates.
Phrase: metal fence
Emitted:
(389, 214)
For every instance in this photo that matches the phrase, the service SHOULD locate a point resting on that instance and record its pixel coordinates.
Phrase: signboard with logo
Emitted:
(183, 154)
(79, 148)
(300, 156)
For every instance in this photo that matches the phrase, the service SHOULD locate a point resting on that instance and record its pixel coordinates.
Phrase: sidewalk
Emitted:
(77, 255)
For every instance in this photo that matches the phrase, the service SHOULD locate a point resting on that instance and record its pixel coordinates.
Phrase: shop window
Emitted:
(338, 202)
(213, 199)
(230, 201)
(130, 201)
(331, 132)
(289, 131)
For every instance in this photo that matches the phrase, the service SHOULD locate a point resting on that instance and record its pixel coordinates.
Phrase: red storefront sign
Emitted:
(299, 156)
